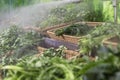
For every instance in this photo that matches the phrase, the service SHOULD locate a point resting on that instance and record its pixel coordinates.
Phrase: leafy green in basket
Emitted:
(52, 52)
(74, 30)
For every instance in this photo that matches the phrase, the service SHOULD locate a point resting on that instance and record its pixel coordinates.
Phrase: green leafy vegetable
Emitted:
(96, 36)
(59, 52)
(15, 37)
(74, 29)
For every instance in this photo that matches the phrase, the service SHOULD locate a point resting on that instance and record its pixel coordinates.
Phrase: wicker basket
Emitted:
(114, 41)
(68, 53)
(44, 30)
(48, 43)
(68, 38)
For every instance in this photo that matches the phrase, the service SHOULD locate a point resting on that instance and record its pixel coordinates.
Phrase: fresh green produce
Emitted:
(9, 39)
(59, 32)
(51, 52)
(14, 58)
(16, 42)
(107, 66)
(15, 37)
(50, 66)
(95, 38)
(66, 13)
(106, 29)
(74, 29)
(36, 69)
(44, 68)
(89, 45)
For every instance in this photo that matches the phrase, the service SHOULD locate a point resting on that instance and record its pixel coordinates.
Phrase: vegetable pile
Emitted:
(15, 38)
(66, 13)
(56, 68)
(17, 47)
(52, 65)
(16, 43)
(51, 52)
(74, 30)
(106, 29)
(44, 68)
(94, 40)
